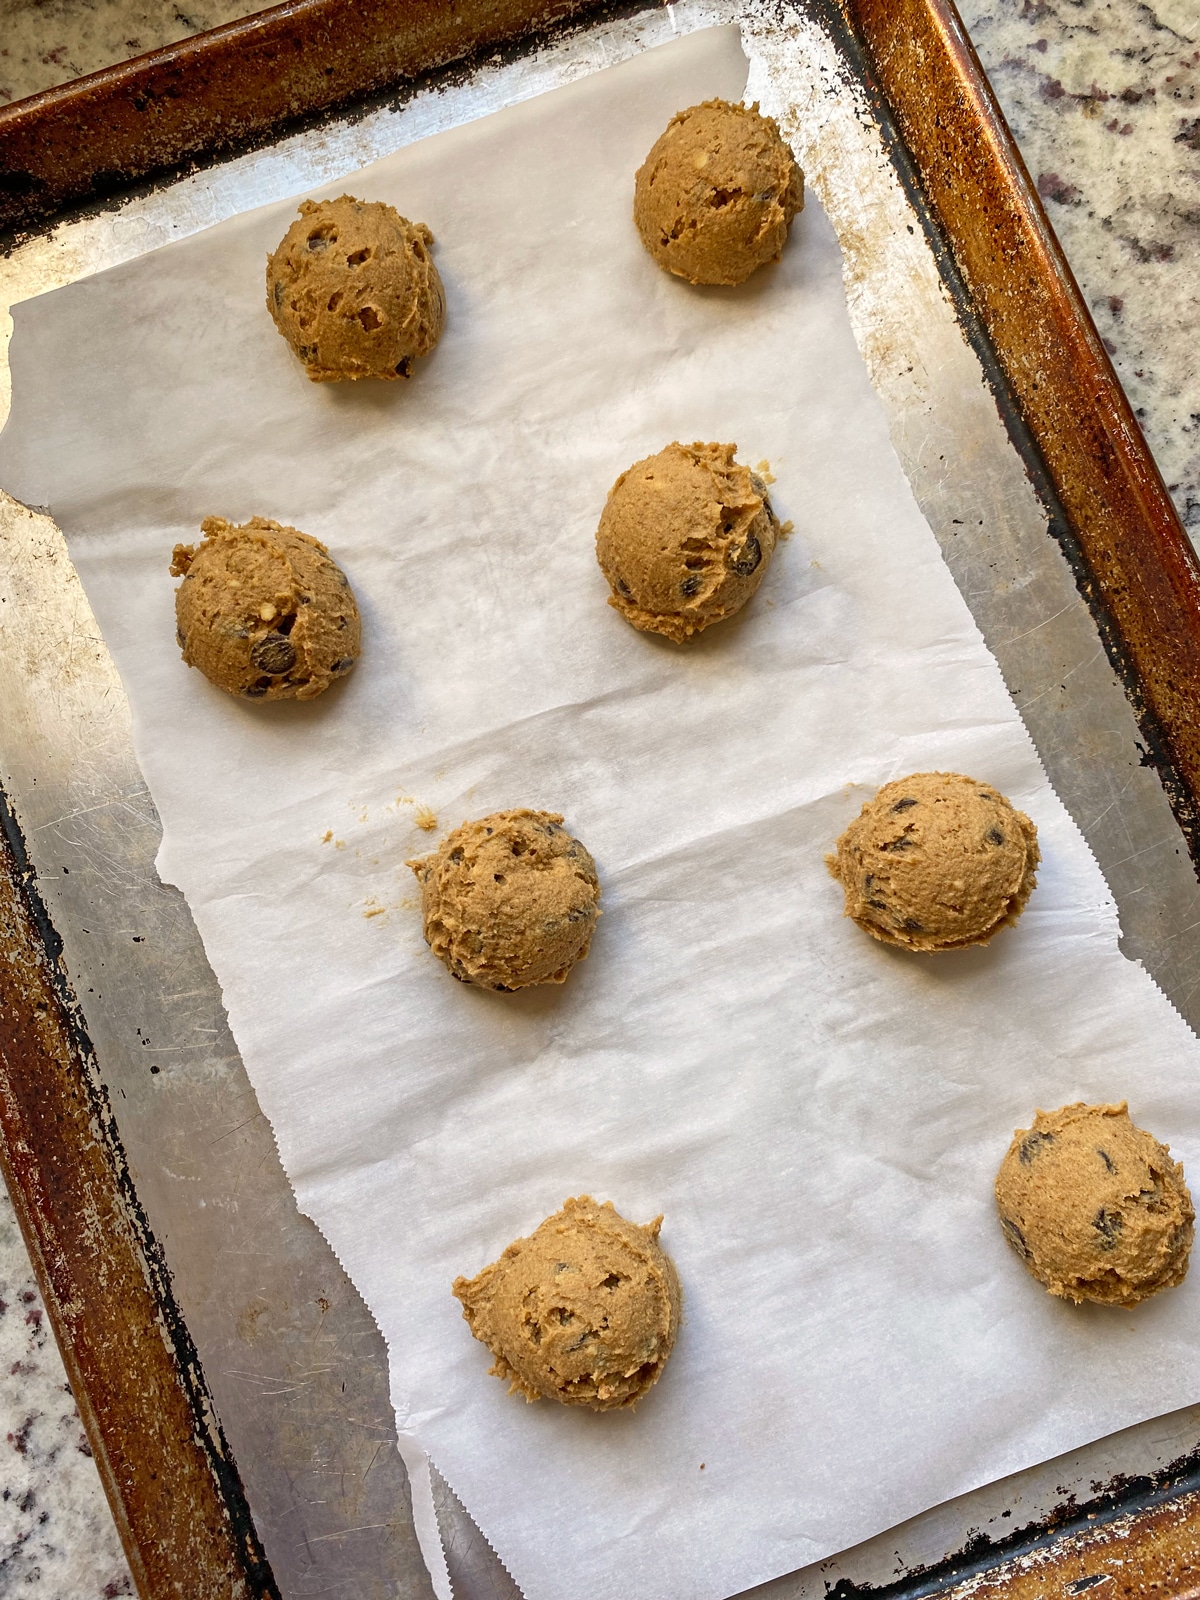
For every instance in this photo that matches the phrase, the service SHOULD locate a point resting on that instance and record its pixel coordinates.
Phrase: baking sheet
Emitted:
(818, 1118)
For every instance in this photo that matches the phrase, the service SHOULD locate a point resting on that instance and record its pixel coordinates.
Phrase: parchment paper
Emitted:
(819, 1118)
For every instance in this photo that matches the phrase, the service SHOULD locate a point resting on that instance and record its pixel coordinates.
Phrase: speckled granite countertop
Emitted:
(1104, 99)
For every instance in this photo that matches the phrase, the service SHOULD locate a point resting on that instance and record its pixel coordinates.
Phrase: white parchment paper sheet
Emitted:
(819, 1118)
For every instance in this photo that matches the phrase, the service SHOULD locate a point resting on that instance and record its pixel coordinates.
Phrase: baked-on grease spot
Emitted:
(373, 306)
(715, 197)
(1113, 1231)
(263, 611)
(584, 1311)
(509, 900)
(685, 539)
(919, 869)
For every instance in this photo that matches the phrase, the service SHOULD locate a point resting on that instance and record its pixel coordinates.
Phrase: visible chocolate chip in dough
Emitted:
(263, 612)
(685, 539)
(584, 1311)
(509, 900)
(936, 861)
(715, 197)
(354, 290)
(1095, 1206)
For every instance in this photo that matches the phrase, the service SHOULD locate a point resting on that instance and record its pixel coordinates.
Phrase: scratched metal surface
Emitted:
(296, 1366)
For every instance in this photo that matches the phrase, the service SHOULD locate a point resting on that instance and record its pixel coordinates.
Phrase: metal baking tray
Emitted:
(231, 1381)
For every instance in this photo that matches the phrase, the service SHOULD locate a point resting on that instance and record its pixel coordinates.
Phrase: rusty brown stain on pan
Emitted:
(1153, 1553)
(1140, 565)
(234, 85)
(163, 1462)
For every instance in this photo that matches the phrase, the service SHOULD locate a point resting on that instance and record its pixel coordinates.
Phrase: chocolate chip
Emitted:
(623, 588)
(278, 292)
(911, 925)
(902, 843)
(286, 624)
(256, 690)
(690, 586)
(341, 666)
(903, 805)
(1107, 1159)
(180, 638)
(994, 836)
(1031, 1147)
(1014, 1236)
(748, 558)
(1108, 1225)
(404, 367)
(274, 654)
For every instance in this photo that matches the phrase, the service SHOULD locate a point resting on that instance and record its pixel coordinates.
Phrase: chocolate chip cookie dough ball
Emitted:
(1094, 1206)
(354, 291)
(584, 1311)
(716, 195)
(685, 538)
(263, 612)
(509, 900)
(936, 861)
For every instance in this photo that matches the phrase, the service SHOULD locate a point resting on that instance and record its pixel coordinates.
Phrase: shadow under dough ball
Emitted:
(510, 900)
(354, 291)
(584, 1311)
(936, 861)
(263, 612)
(715, 197)
(1094, 1206)
(685, 539)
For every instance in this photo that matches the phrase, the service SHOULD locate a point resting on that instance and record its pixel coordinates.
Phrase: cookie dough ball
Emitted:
(354, 291)
(510, 900)
(584, 1311)
(1094, 1206)
(685, 538)
(936, 861)
(716, 195)
(263, 611)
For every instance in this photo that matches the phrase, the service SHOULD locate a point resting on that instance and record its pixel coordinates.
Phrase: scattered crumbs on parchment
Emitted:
(438, 776)
(374, 909)
(425, 819)
(408, 904)
(786, 529)
(770, 602)
(817, 565)
(339, 844)
(764, 471)
(327, 836)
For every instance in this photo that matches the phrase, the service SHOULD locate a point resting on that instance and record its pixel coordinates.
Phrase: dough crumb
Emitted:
(685, 539)
(263, 612)
(764, 471)
(354, 291)
(1095, 1206)
(584, 1311)
(509, 900)
(714, 199)
(425, 819)
(327, 836)
(936, 861)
